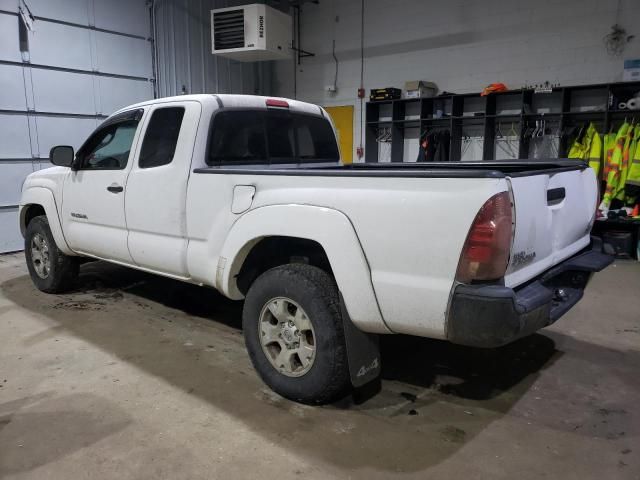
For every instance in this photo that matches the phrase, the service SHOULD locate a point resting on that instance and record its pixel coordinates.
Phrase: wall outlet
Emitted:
(331, 88)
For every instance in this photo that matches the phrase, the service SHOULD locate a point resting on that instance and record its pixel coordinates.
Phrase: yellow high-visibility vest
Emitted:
(624, 164)
(595, 153)
(609, 146)
(633, 175)
(588, 149)
(577, 149)
(613, 166)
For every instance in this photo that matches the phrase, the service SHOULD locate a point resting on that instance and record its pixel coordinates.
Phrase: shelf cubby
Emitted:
(561, 108)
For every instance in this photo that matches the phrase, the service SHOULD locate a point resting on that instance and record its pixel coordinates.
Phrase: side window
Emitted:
(316, 140)
(237, 137)
(161, 137)
(109, 147)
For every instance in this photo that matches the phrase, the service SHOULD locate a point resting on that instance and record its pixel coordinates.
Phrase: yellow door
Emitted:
(343, 120)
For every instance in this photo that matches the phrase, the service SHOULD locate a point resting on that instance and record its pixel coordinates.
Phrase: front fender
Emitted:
(328, 227)
(44, 197)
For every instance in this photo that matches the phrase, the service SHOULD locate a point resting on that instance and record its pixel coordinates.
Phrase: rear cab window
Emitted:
(271, 137)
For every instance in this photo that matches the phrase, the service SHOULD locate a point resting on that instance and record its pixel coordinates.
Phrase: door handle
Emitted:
(114, 188)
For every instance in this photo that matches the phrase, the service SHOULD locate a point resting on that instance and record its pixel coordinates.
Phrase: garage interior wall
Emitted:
(461, 45)
(85, 59)
(184, 58)
(82, 60)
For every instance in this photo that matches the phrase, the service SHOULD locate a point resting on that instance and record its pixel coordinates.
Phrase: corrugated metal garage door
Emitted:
(83, 60)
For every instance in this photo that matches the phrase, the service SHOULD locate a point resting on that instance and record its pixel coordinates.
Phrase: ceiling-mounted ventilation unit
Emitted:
(251, 33)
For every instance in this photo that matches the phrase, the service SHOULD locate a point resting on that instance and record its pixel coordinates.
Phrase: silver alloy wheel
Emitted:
(287, 337)
(40, 255)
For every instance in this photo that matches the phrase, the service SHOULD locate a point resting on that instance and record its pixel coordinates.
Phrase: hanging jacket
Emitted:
(632, 184)
(609, 146)
(442, 150)
(613, 174)
(624, 163)
(437, 149)
(588, 147)
(595, 152)
(578, 148)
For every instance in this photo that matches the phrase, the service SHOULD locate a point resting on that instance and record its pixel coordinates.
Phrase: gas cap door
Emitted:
(242, 198)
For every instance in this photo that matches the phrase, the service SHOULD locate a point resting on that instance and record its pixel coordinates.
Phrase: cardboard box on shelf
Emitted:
(420, 89)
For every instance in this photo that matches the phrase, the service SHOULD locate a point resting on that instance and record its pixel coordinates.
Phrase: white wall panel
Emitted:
(73, 11)
(9, 46)
(10, 238)
(14, 137)
(184, 53)
(127, 16)
(184, 59)
(50, 90)
(54, 131)
(13, 174)
(41, 164)
(63, 92)
(61, 46)
(123, 55)
(12, 88)
(9, 5)
(460, 45)
(116, 93)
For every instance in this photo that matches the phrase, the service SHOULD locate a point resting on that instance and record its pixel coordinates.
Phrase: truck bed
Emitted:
(411, 228)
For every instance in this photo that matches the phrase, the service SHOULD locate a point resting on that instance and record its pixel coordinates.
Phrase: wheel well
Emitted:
(271, 252)
(32, 211)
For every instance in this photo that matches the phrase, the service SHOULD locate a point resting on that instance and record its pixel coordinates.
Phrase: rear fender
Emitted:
(328, 227)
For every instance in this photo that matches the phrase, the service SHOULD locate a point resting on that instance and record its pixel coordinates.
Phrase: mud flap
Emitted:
(363, 352)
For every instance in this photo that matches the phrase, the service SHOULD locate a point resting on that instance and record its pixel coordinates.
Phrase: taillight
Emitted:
(597, 213)
(276, 102)
(485, 254)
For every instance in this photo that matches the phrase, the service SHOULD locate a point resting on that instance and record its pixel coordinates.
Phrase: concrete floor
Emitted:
(134, 377)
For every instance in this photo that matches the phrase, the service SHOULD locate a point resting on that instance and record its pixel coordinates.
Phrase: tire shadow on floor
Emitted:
(435, 397)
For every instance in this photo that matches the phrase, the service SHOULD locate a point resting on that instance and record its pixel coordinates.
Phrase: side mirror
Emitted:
(61, 155)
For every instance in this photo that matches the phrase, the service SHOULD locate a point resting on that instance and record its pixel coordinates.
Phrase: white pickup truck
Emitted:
(246, 194)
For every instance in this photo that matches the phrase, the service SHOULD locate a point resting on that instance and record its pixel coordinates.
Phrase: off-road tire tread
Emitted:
(318, 286)
(64, 268)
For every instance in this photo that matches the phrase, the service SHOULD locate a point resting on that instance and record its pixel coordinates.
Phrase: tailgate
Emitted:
(553, 217)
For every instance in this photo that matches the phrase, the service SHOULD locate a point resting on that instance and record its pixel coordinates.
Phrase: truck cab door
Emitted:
(93, 196)
(157, 188)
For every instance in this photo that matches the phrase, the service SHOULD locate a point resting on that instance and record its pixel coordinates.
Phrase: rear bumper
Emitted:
(493, 315)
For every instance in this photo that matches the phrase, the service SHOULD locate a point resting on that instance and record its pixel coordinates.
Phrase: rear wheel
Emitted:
(51, 270)
(294, 334)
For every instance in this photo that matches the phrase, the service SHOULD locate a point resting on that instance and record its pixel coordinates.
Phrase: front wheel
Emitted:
(294, 334)
(51, 270)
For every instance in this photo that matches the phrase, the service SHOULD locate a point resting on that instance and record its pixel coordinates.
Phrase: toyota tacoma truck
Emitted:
(247, 194)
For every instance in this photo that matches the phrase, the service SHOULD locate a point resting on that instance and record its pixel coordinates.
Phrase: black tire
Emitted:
(315, 291)
(63, 269)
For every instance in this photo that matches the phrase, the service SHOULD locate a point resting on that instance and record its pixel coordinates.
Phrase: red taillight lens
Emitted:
(485, 254)
(275, 102)
(597, 213)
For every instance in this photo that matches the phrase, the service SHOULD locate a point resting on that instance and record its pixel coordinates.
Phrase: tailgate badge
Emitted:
(521, 259)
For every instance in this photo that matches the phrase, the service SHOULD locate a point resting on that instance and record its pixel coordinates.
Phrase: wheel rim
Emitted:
(287, 337)
(40, 255)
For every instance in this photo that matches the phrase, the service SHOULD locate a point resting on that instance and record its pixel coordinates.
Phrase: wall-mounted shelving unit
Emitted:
(513, 111)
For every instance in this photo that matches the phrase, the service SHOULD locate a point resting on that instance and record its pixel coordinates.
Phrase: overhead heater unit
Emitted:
(251, 33)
